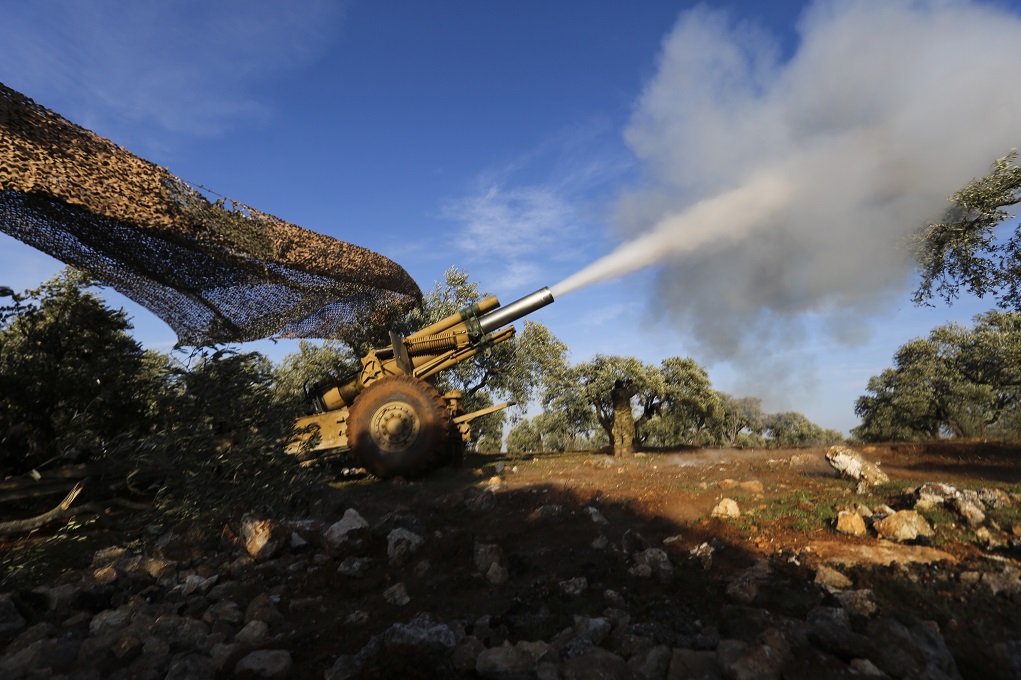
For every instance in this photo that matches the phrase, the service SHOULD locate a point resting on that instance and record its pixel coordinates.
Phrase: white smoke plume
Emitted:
(784, 185)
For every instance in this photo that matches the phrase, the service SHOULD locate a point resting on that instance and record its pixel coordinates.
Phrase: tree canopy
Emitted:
(964, 252)
(72, 377)
(959, 381)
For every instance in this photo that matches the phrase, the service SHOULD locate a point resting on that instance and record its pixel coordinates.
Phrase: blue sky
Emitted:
(524, 141)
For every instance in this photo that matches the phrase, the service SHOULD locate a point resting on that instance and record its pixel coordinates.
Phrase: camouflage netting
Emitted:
(214, 271)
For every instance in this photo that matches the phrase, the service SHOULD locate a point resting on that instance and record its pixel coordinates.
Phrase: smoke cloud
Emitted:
(780, 186)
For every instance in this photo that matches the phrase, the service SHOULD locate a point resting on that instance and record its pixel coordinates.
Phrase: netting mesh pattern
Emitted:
(215, 271)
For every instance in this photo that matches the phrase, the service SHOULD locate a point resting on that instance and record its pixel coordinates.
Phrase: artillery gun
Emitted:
(388, 415)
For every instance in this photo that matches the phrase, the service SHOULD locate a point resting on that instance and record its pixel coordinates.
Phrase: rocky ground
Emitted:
(696, 564)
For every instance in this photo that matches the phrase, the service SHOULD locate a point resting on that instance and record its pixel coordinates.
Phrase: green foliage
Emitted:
(691, 408)
(311, 364)
(557, 432)
(72, 379)
(791, 429)
(77, 386)
(742, 424)
(963, 251)
(961, 382)
(523, 438)
(487, 431)
(223, 430)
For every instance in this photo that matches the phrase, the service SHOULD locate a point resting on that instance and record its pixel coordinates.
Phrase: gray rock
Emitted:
(483, 501)
(191, 666)
(866, 668)
(466, 654)
(762, 659)
(10, 617)
(852, 465)
(346, 667)
(263, 538)
(497, 574)
(266, 663)
(549, 511)
(931, 495)
(521, 660)
(401, 544)
(916, 651)
(903, 525)
(592, 629)
(1006, 582)
(346, 533)
(420, 641)
(829, 616)
(220, 653)
(197, 584)
(858, 602)
(397, 595)
(547, 670)
(595, 664)
(652, 561)
(357, 618)
(486, 555)
(652, 664)
(354, 567)
(690, 664)
(831, 579)
(253, 633)
(970, 510)
(574, 587)
(995, 498)
(595, 515)
(109, 620)
(22, 661)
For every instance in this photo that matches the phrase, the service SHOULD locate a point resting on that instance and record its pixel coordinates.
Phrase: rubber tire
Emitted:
(428, 449)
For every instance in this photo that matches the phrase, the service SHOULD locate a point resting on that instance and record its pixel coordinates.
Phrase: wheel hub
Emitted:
(394, 427)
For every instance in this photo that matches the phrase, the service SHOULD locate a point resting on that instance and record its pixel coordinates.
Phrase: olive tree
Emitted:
(961, 382)
(223, 429)
(73, 380)
(791, 429)
(963, 252)
(311, 364)
(742, 420)
(690, 405)
(523, 438)
(623, 392)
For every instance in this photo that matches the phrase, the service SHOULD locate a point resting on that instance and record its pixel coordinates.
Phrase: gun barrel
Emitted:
(501, 316)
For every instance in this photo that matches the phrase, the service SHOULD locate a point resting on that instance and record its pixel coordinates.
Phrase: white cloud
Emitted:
(543, 210)
(511, 223)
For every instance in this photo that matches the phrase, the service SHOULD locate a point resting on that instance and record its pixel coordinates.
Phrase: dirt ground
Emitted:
(539, 514)
(653, 497)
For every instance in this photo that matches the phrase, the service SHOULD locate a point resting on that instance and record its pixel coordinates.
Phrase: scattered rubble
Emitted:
(203, 605)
